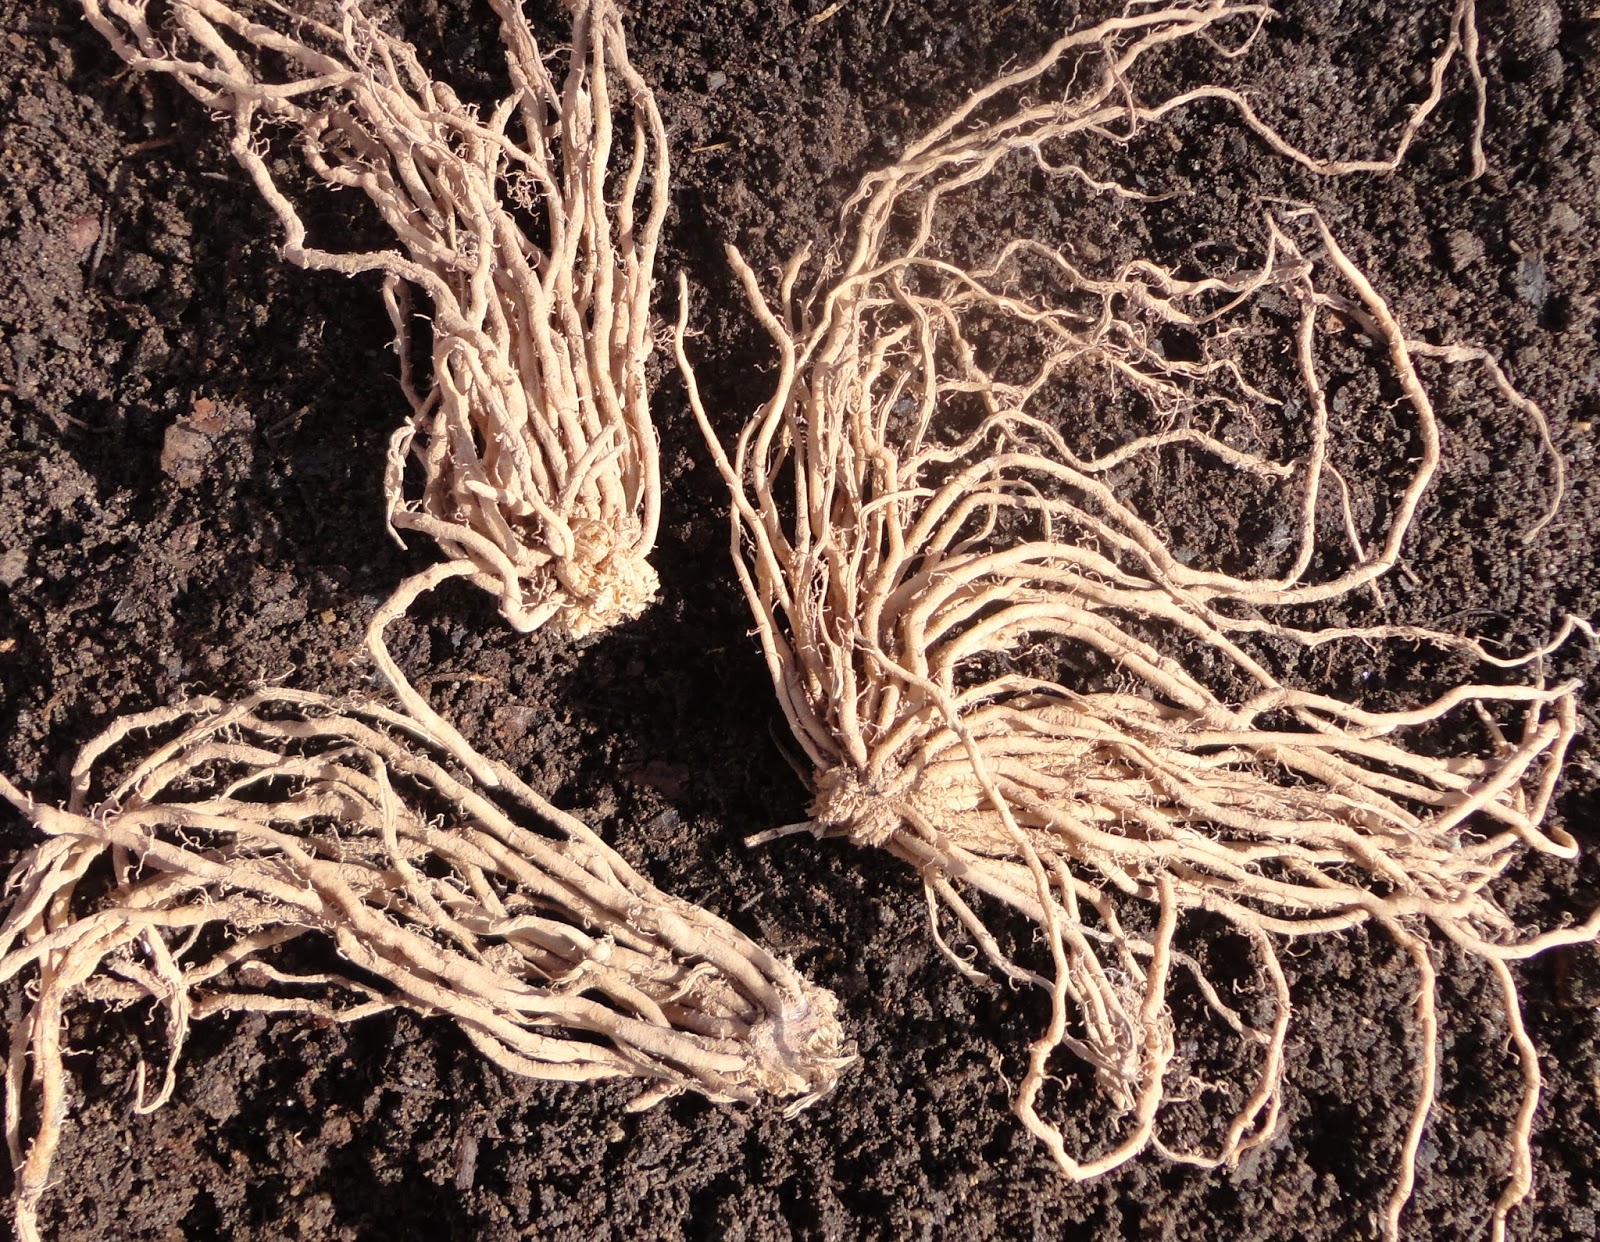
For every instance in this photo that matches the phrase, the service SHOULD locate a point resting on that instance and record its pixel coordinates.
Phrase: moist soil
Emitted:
(191, 443)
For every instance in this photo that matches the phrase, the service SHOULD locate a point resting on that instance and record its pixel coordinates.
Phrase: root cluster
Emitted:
(293, 853)
(181, 875)
(531, 230)
(1005, 665)
(1005, 671)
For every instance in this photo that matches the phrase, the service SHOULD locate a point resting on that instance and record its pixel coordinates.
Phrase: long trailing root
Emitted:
(532, 231)
(1004, 673)
(439, 882)
(240, 827)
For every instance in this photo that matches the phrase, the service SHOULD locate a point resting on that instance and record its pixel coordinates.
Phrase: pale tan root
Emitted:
(928, 549)
(226, 830)
(532, 232)
(440, 881)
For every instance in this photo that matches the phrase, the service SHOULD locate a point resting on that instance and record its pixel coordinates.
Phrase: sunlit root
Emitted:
(532, 232)
(292, 817)
(949, 525)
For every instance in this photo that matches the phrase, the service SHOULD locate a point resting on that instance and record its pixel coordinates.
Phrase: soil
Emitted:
(191, 438)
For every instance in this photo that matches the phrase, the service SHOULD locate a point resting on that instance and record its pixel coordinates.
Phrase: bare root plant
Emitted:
(531, 230)
(435, 879)
(239, 828)
(1005, 671)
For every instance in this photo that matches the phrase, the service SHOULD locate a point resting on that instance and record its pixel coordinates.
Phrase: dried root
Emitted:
(435, 880)
(531, 231)
(1004, 673)
(239, 828)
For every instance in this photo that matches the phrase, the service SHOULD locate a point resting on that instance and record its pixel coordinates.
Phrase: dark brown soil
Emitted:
(143, 294)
